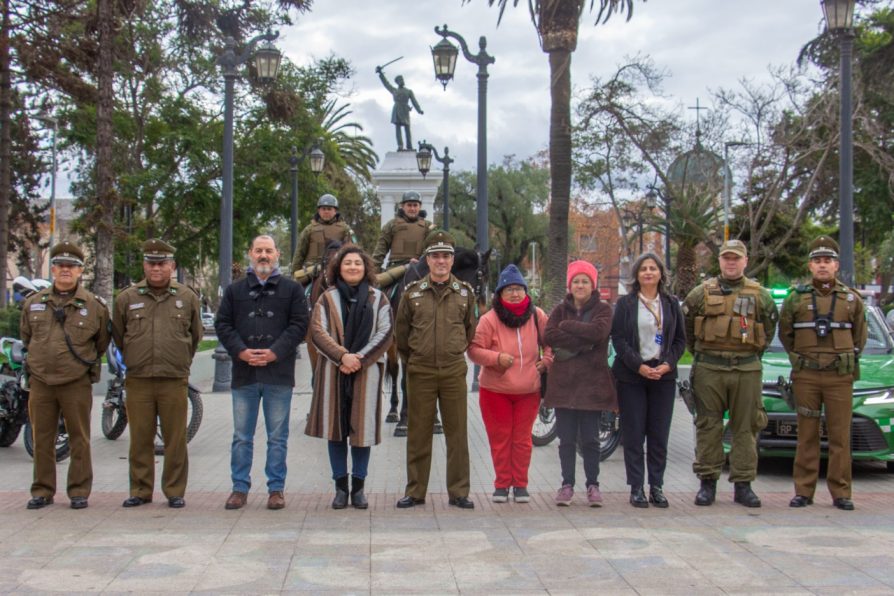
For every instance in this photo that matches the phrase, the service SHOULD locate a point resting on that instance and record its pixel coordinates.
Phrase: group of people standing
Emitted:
(727, 323)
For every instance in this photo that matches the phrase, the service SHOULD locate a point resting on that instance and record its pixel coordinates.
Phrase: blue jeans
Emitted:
(277, 401)
(338, 459)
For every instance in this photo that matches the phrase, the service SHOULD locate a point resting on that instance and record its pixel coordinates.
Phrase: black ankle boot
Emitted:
(745, 496)
(707, 493)
(656, 497)
(638, 497)
(358, 499)
(341, 493)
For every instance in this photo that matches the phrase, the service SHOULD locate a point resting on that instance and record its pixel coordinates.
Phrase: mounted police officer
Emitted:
(65, 329)
(327, 225)
(730, 320)
(823, 328)
(402, 238)
(434, 325)
(157, 324)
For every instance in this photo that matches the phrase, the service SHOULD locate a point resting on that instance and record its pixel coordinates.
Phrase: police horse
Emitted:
(469, 266)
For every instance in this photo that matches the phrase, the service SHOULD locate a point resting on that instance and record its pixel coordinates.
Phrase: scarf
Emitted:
(514, 315)
(357, 320)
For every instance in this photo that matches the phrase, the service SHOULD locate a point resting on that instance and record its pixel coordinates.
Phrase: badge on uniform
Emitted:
(178, 303)
(83, 312)
(416, 295)
(38, 307)
(455, 286)
(659, 338)
(464, 292)
(136, 306)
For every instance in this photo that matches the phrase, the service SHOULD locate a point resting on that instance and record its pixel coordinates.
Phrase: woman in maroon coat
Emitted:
(580, 383)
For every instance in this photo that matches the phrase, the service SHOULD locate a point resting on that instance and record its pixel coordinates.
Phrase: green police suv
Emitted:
(872, 428)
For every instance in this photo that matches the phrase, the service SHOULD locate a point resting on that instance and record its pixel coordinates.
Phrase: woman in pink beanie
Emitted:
(580, 383)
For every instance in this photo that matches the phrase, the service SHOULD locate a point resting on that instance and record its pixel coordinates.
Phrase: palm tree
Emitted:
(557, 22)
(356, 149)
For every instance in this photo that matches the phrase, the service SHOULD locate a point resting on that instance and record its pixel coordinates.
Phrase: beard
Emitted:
(265, 267)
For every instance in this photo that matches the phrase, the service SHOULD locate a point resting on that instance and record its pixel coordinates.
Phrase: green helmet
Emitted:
(411, 196)
(328, 200)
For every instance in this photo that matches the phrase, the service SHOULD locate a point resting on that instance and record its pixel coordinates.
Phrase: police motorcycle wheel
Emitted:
(194, 411)
(114, 415)
(63, 448)
(544, 430)
(9, 426)
(609, 435)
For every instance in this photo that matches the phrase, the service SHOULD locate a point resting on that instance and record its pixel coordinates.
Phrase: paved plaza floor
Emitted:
(435, 548)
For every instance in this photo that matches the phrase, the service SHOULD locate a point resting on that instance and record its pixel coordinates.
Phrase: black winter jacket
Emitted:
(255, 316)
(625, 337)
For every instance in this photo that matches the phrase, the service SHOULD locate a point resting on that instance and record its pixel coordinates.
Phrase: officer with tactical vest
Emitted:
(730, 320)
(402, 237)
(823, 328)
(327, 225)
(65, 329)
(434, 325)
(157, 325)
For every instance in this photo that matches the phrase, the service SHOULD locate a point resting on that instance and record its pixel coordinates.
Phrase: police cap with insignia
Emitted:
(439, 241)
(156, 250)
(735, 247)
(66, 253)
(824, 246)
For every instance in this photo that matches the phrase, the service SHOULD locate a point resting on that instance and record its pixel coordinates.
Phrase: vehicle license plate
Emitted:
(786, 428)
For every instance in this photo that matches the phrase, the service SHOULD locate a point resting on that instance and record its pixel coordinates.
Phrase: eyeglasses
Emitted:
(513, 290)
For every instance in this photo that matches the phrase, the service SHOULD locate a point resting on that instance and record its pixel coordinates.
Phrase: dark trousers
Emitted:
(646, 410)
(573, 426)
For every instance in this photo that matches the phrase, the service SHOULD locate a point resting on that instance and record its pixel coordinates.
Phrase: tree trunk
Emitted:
(105, 184)
(686, 276)
(560, 172)
(5, 147)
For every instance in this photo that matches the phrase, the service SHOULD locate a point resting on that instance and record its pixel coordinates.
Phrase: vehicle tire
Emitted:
(63, 448)
(9, 432)
(114, 421)
(609, 435)
(890, 465)
(194, 413)
(544, 431)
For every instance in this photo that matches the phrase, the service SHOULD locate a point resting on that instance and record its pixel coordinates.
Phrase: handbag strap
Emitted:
(539, 340)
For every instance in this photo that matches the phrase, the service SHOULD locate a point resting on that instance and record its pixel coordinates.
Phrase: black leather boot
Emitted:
(745, 496)
(638, 497)
(358, 499)
(707, 493)
(341, 493)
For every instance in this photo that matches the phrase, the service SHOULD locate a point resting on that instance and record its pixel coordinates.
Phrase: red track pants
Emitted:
(508, 420)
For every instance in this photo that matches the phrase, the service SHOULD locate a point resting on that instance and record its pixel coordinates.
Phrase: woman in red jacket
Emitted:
(580, 383)
(507, 347)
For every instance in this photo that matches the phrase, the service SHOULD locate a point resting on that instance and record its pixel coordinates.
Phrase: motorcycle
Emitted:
(544, 431)
(14, 395)
(114, 408)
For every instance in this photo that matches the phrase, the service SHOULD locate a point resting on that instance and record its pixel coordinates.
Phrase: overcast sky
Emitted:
(705, 44)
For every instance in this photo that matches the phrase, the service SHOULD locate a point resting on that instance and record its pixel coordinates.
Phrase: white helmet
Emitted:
(40, 284)
(23, 286)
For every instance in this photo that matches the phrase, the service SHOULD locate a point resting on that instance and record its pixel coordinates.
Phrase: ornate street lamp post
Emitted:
(317, 161)
(266, 61)
(423, 162)
(444, 56)
(727, 185)
(840, 21)
(639, 215)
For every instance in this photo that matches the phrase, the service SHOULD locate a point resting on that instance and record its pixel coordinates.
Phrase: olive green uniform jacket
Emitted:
(157, 332)
(86, 323)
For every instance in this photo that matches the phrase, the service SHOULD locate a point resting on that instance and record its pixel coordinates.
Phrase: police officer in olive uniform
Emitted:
(402, 238)
(823, 328)
(65, 329)
(327, 225)
(157, 324)
(434, 325)
(730, 321)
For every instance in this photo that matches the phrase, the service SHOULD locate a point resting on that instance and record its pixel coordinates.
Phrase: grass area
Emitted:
(207, 344)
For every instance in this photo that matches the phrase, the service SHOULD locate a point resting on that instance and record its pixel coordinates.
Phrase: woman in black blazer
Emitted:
(649, 338)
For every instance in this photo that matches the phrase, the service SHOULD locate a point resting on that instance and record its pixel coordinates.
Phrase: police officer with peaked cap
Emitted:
(730, 321)
(157, 325)
(327, 225)
(65, 329)
(403, 237)
(823, 328)
(434, 326)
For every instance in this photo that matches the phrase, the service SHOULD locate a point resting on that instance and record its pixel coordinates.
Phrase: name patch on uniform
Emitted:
(413, 295)
(83, 312)
(464, 292)
(38, 307)
(136, 306)
(178, 303)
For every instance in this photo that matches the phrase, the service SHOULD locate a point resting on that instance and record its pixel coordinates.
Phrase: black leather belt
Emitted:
(721, 361)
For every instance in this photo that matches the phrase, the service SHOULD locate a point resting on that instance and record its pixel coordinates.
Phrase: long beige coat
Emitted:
(327, 335)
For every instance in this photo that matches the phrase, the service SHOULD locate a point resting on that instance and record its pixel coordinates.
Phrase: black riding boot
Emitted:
(707, 493)
(745, 496)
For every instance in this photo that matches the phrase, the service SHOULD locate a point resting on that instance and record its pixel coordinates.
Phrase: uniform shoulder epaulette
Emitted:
(101, 300)
(467, 284)
(412, 284)
(803, 288)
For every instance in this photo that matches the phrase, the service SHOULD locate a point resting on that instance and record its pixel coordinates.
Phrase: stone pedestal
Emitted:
(399, 173)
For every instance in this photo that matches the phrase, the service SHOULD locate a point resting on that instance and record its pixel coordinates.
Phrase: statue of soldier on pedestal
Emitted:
(400, 114)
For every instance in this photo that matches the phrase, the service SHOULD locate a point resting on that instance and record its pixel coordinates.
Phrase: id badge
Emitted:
(659, 338)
